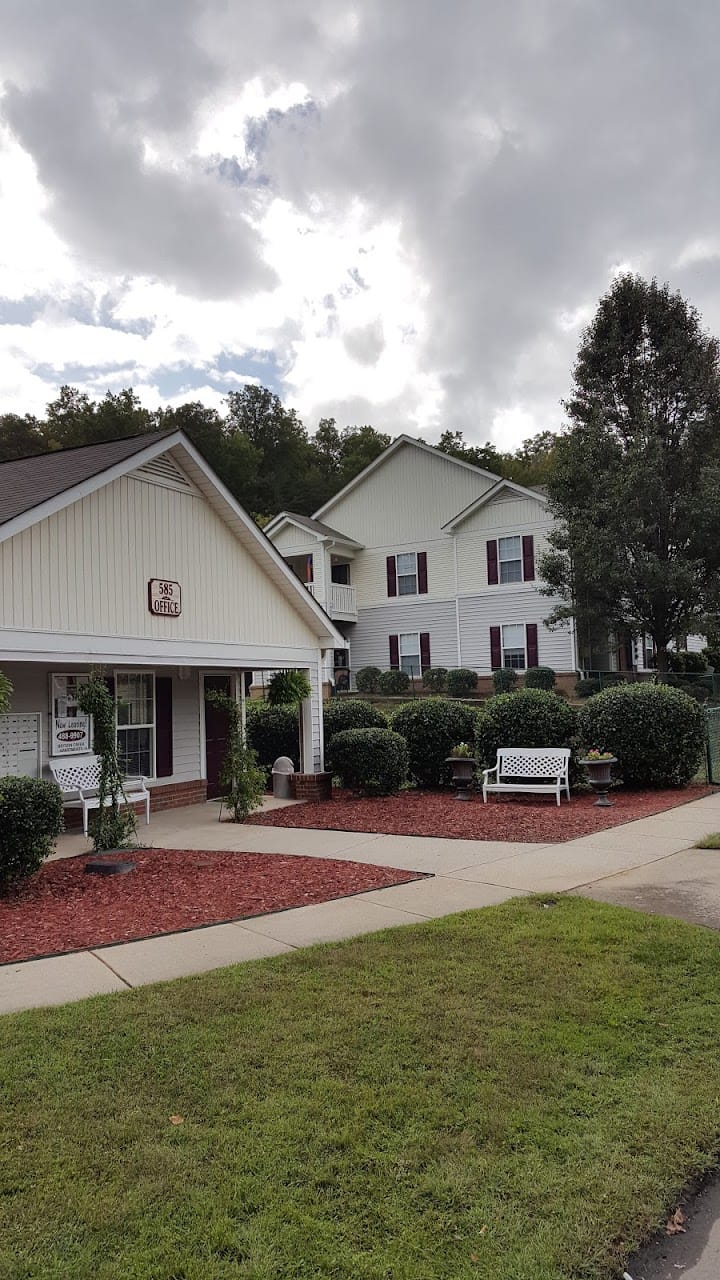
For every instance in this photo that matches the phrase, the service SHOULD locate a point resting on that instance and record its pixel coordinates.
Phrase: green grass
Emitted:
(518, 1092)
(709, 842)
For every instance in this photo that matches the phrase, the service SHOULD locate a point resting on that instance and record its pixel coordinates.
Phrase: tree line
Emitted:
(260, 448)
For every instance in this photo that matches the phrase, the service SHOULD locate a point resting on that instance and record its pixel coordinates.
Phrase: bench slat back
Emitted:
(533, 762)
(80, 773)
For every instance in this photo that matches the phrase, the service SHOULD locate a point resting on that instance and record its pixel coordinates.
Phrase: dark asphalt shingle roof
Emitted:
(26, 482)
(316, 526)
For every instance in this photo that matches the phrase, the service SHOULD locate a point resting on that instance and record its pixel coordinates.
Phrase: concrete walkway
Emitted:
(647, 864)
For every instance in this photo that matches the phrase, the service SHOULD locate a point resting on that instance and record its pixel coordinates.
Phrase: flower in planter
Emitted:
(462, 751)
(595, 754)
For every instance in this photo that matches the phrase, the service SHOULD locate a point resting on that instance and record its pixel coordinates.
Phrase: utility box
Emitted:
(282, 776)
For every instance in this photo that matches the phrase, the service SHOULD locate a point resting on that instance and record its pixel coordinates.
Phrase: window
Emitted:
(513, 646)
(135, 699)
(510, 557)
(409, 646)
(407, 573)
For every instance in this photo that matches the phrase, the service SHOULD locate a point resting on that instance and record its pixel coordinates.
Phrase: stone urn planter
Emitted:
(599, 774)
(463, 774)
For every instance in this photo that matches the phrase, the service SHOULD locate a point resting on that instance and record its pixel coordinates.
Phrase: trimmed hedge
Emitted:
(656, 732)
(348, 713)
(393, 682)
(435, 679)
(373, 761)
(432, 727)
(31, 817)
(272, 732)
(528, 718)
(461, 681)
(539, 678)
(367, 680)
(587, 688)
(504, 679)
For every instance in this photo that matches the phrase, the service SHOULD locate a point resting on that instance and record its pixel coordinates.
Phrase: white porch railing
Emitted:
(342, 598)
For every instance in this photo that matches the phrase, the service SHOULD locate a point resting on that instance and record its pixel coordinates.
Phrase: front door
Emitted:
(216, 729)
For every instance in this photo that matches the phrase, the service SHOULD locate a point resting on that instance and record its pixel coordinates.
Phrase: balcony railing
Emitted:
(342, 599)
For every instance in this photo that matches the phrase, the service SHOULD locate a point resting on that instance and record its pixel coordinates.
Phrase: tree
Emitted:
(20, 437)
(635, 483)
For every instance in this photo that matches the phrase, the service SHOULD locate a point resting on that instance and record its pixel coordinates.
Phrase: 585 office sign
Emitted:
(164, 598)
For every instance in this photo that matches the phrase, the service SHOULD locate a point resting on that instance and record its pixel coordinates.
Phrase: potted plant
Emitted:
(599, 766)
(463, 765)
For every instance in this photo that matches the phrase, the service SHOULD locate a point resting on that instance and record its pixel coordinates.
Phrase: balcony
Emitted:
(342, 604)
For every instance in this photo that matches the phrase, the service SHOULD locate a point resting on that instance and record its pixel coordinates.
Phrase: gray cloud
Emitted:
(525, 150)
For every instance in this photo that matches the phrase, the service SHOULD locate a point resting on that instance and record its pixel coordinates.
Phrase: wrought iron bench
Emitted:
(539, 769)
(79, 778)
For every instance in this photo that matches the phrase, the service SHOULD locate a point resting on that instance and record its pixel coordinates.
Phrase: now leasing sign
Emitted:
(164, 598)
(70, 735)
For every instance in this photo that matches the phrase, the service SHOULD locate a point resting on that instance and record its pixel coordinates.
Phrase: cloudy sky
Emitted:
(400, 212)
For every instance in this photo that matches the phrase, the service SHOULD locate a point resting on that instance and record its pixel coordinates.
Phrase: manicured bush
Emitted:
(586, 688)
(461, 681)
(394, 682)
(272, 732)
(528, 718)
(656, 732)
(432, 727)
(31, 816)
(367, 680)
(373, 761)
(539, 678)
(435, 679)
(504, 679)
(683, 660)
(348, 713)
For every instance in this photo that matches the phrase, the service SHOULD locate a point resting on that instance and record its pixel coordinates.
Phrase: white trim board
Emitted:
(48, 646)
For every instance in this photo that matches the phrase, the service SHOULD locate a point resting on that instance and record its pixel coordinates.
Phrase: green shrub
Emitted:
(31, 816)
(432, 727)
(435, 679)
(348, 713)
(504, 679)
(656, 732)
(528, 718)
(272, 732)
(461, 681)
(539, 678)
(367, 680)
(288, 688)
(394, 682)
(242, 781)
(373, 761)
(586, 688)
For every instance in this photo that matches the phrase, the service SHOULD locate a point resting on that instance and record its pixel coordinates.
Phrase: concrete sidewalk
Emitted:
(646, 864)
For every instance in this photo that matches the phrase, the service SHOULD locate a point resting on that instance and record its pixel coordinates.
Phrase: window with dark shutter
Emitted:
(528, 558)
(394, 653)
(424, 650)
(391, 576)
(422, 577)
(495, 648)
(492, 562)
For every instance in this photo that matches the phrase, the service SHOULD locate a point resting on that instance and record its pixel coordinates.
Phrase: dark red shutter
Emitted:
(532, 644)
(492, 562)
(163, 726)
(528, 558)
(424, 650)
(422, 572)
(495, 647)
(391, 576)
(394, 652)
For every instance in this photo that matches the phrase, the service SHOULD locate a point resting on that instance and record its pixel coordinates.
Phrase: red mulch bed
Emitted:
(437, 813)
(63, 908)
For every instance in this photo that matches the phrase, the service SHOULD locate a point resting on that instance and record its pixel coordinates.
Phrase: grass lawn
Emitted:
(518, 1092)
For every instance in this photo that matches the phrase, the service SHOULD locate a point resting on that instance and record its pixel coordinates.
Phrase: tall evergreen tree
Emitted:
(636, 480)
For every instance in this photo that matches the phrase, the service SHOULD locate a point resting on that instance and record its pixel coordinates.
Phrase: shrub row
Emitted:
(31, 817)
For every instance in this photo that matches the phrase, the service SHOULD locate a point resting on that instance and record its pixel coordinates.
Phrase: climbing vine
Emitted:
(114, 827)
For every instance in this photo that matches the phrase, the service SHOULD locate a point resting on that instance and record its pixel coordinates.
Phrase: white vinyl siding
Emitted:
(479, 613)
(368, 638)
(369, 571)
(507, 520)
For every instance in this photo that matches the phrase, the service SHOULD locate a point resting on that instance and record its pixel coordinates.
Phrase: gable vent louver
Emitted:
(164, 471)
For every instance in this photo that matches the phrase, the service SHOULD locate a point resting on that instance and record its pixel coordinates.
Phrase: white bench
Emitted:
(78, 777)
(542, 769)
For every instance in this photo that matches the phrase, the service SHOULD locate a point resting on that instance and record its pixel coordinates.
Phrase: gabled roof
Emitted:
(388, 453)
(306, 522)
(26, 482)
(488, 496)
(42, 492)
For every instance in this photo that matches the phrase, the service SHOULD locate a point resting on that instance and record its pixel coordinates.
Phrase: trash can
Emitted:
(282, 772)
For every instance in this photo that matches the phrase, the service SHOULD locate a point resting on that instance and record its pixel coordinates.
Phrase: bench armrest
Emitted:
(486, 772)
